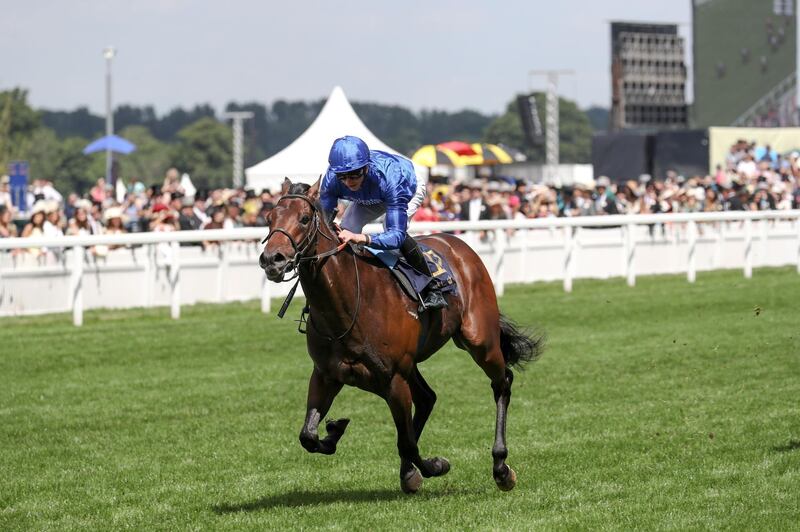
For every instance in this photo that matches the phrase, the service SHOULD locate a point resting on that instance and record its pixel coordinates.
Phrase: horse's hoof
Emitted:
(411, 482)
(442, 466)
(336, 427)
(507, 483)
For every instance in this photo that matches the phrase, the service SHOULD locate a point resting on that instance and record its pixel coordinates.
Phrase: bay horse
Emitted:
(364, 331)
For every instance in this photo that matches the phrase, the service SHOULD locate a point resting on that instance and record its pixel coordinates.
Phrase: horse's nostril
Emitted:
(262, 261)
(278, 258)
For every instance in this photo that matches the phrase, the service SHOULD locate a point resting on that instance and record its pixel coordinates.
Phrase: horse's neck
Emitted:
(329, 282)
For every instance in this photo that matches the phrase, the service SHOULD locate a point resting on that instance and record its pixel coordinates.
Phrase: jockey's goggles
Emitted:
(351, 176)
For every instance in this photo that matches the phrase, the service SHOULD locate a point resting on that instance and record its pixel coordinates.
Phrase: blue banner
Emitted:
(18, 180)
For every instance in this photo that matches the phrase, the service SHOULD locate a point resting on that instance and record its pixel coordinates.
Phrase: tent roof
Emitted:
(307, 157)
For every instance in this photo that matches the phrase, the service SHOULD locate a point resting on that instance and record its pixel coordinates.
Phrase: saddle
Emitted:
(411, 281)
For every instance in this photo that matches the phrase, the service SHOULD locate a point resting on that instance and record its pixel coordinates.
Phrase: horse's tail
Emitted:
(518, 345)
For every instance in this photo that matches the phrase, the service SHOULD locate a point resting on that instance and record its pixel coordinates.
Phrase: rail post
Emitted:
(568, 250)
(499, 263)
(150, 273)
(748, 248)
(691, 271)
(175, 281)
(76, 285)
(797, 227)
(630, 253)
(222, 269)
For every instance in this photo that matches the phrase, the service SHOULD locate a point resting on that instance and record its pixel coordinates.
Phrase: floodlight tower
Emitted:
(109, 54)
(551, 121)
(238, 118)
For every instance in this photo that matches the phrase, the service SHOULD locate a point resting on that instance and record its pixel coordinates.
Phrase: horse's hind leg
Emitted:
(321, 393)
(424, 398)
(399, 398)
(490, 358)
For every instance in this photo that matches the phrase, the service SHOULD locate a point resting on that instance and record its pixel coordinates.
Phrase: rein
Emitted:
(299, 258)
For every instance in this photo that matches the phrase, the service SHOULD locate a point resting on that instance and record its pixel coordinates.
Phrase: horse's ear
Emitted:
(313, 192)
(285, 187)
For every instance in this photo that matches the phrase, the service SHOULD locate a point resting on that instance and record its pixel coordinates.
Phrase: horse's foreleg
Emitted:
(321, 393)
(504, 476)
(399, 399)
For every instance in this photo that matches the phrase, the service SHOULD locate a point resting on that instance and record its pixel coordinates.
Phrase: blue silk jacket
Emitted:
(390, 180)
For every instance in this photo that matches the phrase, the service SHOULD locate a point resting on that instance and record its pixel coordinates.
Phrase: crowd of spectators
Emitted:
(751, 179)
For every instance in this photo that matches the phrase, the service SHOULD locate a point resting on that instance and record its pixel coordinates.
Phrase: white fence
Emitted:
(153, 269)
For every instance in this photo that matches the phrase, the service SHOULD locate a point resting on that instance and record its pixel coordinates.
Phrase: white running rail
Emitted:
(153, 269)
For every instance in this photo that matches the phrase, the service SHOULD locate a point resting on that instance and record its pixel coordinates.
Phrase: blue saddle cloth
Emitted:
(441, 275)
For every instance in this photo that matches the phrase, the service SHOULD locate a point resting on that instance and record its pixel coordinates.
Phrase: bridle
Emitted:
(308, 240)
(299, 257)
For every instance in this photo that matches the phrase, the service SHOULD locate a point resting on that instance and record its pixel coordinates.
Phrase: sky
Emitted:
(432, 54)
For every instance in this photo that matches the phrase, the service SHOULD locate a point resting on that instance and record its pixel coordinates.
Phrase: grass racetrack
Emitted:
(664, 406)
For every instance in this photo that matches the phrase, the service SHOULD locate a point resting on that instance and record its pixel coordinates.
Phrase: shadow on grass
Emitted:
(309, 498)
(793, 445)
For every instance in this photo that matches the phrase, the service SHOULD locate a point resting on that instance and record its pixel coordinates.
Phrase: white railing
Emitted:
(496, 241)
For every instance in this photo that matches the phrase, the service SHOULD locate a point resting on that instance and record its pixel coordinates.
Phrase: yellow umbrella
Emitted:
(430, 156)
(490, 154)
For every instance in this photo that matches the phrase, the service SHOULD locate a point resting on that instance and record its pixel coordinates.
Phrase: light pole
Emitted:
(238, 118)
(109, 54)
(551, 123)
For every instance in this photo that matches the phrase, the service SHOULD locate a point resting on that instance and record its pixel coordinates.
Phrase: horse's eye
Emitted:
(305, 219)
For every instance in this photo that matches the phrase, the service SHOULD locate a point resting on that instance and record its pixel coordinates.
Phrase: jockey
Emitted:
(376, 183)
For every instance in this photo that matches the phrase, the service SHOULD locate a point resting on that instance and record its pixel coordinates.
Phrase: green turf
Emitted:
(664, 406)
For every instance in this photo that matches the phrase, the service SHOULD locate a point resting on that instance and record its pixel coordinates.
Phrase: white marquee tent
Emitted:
(307, 157)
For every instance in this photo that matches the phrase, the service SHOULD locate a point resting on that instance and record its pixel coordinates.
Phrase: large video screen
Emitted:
(745, 57)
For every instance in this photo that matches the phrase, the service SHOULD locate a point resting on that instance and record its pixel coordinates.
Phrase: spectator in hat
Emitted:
(35, 227)
(52, 225)
(114, 219)
(187, 220)
(605, 200)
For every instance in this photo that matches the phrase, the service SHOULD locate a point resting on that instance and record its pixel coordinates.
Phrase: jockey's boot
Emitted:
(433, 298)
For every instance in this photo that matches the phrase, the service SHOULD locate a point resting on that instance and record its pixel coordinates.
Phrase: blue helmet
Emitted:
(347, 154)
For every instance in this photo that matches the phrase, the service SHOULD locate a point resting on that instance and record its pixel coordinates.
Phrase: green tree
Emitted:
(59, 160)
(575, 132)
(204, 151)
(442, 126)
(150, 160)
(394, 125)
(18, 122)
(79, 122)
(598, 117)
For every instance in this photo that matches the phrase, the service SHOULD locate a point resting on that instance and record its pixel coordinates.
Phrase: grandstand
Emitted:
(745, 62)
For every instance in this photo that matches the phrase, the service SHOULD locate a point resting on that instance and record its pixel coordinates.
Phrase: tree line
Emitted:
(194, 140)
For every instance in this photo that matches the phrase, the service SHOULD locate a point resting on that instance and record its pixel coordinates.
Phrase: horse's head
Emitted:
(293, 223)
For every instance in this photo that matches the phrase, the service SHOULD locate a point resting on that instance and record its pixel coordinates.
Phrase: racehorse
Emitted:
(363, 331)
